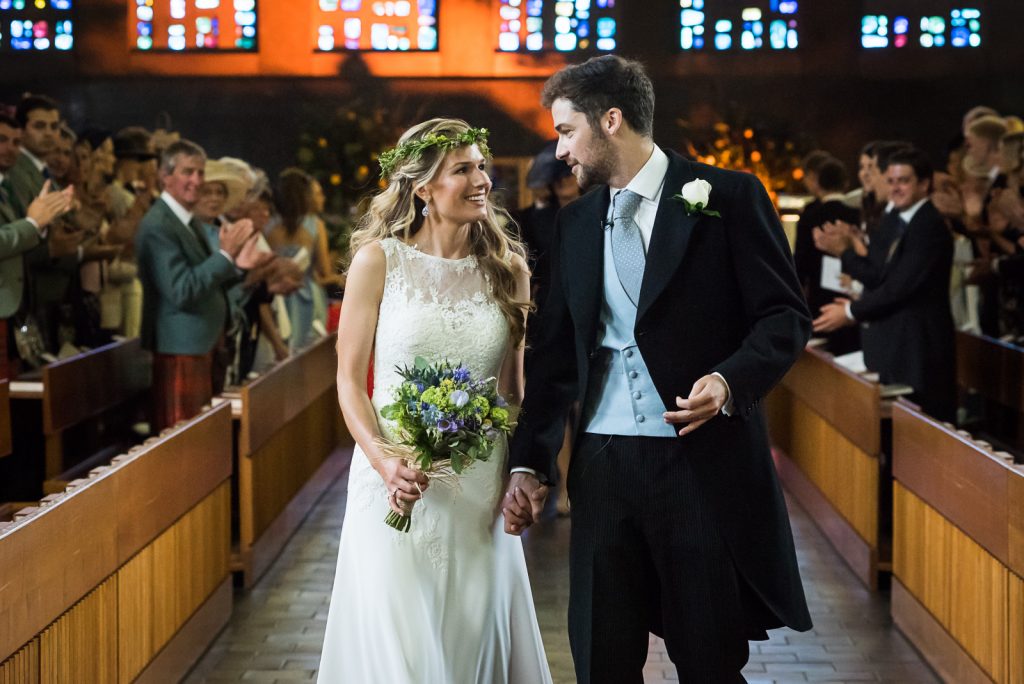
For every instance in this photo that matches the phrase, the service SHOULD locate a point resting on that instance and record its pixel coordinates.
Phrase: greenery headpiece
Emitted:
(412, 149)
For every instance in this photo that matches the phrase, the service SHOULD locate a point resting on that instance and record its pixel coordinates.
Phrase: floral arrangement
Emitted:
(446, 421)
(412, 149)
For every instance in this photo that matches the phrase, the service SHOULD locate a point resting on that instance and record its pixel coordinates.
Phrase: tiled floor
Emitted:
(277, 628)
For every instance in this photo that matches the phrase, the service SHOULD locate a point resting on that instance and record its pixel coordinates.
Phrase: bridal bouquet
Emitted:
(446, 420)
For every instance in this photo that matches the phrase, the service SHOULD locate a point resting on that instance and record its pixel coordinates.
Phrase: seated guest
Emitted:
(828, 184)
(19, 233)
(185, 282)
(906, 324)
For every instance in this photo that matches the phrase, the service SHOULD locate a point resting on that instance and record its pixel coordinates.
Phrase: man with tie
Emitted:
(20, 231)
(673, 308)
(907, 325)
(184, 284)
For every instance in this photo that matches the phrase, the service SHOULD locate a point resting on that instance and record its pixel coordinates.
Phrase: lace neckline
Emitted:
(468, 260)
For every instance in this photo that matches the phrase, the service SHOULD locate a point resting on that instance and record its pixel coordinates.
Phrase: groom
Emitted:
(669, 320)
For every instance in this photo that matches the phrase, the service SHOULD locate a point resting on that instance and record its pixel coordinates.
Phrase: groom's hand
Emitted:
(706, 399)
(523, 502)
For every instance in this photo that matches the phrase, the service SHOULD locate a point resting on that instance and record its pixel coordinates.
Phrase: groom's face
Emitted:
(589, 153)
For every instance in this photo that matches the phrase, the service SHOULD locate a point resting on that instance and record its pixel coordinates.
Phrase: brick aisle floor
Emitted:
(276, 631)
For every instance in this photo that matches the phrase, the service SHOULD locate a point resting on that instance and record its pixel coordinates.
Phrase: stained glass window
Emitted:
(363, 25)
(36, 25)
(959, 27)
(180, 25)
(561, 25)
(738, 24)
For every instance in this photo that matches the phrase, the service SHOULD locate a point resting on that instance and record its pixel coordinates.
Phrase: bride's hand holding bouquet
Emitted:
(445, 420)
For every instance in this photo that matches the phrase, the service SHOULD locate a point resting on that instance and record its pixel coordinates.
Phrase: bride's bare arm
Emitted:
(510, 381)
(357, 328)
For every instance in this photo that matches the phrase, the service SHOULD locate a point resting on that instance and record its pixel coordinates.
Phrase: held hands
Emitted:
(49, 205)
(833, 316)
(706, 399)
(404, 484)
(251, 256)
(523, 502)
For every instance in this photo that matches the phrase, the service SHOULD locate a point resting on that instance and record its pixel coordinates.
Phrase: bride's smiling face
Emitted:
(459, 191)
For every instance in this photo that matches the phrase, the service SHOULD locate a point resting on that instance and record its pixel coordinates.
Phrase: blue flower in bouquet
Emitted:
(460, 398)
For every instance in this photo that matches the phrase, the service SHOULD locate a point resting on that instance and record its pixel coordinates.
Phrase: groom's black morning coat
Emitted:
(718, 294)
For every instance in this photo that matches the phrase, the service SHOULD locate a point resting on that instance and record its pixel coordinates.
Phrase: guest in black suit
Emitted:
(905, 311)
(829, 207)
(669, 324)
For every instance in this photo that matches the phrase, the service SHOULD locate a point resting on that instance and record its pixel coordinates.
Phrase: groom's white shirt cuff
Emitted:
(727, 410)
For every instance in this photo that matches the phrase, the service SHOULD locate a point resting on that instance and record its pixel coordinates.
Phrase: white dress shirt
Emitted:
(185, 216)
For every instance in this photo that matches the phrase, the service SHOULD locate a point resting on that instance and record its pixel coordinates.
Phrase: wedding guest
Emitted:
(907, 327)
(20, 231)
(829, 207)
(185, 283)
(61, 162)
(301, 236)
(53, 263)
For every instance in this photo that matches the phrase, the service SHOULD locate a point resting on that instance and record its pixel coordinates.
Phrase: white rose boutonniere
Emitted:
(695, 196)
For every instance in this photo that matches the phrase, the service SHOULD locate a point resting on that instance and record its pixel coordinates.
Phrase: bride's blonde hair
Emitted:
(396, 212)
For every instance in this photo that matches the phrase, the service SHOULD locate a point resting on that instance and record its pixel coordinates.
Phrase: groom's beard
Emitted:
(600, 170)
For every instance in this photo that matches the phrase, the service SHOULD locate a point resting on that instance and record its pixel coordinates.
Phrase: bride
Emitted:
(434, 274)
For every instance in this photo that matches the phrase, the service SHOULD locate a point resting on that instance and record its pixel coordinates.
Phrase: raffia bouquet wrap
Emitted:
(445, 420)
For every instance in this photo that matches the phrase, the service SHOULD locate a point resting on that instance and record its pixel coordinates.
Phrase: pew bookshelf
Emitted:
(125, 576)
(828, 428)
(75, 390)
(958, 532)
(290, 446)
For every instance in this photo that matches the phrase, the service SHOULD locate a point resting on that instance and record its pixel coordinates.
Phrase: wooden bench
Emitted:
(125, 577)
(826, 427)
(994, 370)
(5, 419)
(290, 445)
(73, 391)
(958, 566)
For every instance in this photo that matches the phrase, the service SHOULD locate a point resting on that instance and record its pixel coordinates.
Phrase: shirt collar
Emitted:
(183, 214)
(993, 173)
(908, 214)
(833, 197)
(649, 180)
(36, 161)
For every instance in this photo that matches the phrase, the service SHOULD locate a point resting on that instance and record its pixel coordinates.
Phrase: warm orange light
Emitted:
(322, 142)
(755, 156)
(362, 172)
(748, 134)
(798, 174)
(335, 179)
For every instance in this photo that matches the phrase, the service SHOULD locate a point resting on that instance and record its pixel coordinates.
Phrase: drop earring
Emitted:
(426, 210)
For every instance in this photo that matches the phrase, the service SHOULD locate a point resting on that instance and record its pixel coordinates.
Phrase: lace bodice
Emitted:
(438, 309)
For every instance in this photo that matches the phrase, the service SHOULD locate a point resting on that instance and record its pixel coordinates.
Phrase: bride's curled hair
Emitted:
(396, 212)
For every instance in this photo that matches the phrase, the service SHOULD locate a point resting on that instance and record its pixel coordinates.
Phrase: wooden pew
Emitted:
(75, 390)
(826, 427)
(5, 419)
(290, 446)
(958, 548)
(995, 371)
(125, 577)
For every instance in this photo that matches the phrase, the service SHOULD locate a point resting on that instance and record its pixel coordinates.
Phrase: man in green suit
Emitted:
(184, 282)
(20, 231)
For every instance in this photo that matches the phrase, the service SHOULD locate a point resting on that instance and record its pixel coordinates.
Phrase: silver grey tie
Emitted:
(627, 243)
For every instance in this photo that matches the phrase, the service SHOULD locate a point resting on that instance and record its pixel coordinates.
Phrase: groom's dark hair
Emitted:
(604, 82)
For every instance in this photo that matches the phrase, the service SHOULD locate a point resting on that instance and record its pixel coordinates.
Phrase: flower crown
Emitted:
(412, 149)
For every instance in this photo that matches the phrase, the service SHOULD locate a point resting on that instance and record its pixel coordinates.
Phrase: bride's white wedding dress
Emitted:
(449, 601)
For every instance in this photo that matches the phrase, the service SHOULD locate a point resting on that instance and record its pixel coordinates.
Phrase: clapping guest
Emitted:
(185, 283)
(61, 162)
(20, 232)
(907, 327)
